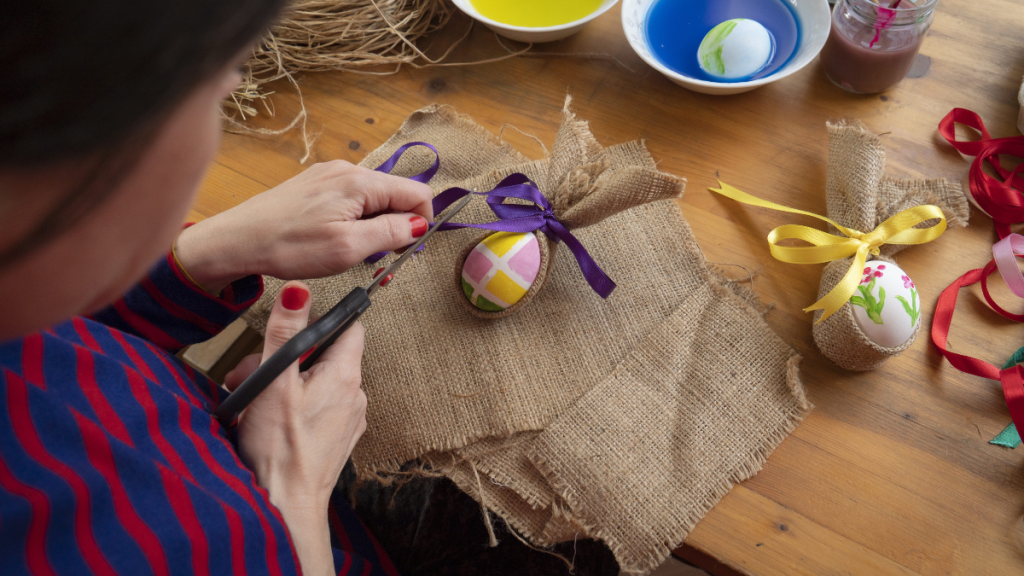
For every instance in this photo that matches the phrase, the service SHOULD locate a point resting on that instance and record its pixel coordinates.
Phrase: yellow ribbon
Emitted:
(899, 229)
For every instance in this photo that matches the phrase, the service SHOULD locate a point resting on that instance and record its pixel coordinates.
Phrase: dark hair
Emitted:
(93, 78)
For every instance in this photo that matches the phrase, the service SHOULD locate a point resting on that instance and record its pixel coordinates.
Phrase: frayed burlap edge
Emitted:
(540, 528)
(744, 291)
(839, 337)
(438, 114)
(947, 195)
(499, 458)
(657, 556)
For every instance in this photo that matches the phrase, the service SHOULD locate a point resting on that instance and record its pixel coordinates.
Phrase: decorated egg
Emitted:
(735, 49)
(886, 304)
(499, 271)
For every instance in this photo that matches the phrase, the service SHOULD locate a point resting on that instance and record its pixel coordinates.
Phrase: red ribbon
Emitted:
(1001, 200)
(1011, 378)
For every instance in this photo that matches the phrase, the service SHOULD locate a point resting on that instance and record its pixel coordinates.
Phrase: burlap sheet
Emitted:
(624, 419)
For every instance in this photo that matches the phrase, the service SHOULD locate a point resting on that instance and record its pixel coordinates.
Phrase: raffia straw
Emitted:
(358, 36)
(235, 127)
(318, 35)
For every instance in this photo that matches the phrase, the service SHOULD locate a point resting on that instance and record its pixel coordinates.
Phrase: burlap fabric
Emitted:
(624, 419)
(859, 196)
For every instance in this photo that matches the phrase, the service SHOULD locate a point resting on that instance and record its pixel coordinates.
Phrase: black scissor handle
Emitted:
(321, 334)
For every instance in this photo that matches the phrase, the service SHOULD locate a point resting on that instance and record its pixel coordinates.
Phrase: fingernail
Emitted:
(294, 297)
(385, 281)
(419, 226)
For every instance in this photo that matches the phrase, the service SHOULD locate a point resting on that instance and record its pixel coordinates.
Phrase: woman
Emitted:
(110, 460)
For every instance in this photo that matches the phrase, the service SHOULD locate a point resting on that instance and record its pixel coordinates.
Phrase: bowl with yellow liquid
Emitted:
(535, 20)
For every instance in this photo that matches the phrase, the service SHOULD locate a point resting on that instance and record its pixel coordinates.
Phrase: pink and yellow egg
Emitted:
(499, 271)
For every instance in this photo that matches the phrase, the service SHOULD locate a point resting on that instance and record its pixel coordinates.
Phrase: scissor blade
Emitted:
(372, 286)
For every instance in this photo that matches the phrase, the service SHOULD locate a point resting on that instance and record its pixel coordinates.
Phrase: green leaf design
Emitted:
(867, 301)
(710, 50)
(865, 291)
(912, 310)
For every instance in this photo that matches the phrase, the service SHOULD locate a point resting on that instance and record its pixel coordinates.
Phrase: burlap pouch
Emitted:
(859, 196)
(585, 184)
(519, 412)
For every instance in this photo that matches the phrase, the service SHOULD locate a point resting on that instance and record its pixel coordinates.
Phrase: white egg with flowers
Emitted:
(886, 304)
(736, 49)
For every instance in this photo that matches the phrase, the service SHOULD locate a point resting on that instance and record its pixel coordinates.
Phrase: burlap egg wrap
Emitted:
(585, 184)
(858, 196)
(623, 419)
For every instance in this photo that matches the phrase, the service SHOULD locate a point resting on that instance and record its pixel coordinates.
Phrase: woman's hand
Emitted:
(297, 435)
(316, 224)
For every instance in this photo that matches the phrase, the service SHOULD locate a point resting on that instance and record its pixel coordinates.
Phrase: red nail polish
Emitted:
(419, 226)
(385, 281)
(294, 297)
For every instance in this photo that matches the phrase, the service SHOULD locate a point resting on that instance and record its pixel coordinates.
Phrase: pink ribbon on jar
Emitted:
(884, 20)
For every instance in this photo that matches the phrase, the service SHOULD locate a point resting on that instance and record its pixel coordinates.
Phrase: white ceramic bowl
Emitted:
(530, 34)
(813, 16)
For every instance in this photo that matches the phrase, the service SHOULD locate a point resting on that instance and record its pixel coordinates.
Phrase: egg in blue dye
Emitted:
(676, 28)
(736, 48)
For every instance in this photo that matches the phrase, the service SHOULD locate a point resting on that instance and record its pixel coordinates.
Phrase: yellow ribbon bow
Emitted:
(899, 229)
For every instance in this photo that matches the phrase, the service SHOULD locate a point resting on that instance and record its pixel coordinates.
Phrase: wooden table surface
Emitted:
(892, 472)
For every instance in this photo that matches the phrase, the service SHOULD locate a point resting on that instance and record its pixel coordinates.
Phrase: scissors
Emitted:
(319, 335)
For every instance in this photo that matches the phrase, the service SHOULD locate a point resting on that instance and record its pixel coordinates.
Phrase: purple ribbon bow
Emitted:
(519, 218)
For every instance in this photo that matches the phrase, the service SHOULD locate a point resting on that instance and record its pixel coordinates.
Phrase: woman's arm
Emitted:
(319, 223)
(297, 435)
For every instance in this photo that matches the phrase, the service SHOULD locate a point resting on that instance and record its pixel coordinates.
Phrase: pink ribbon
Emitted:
(884, 20)
(1005, 254)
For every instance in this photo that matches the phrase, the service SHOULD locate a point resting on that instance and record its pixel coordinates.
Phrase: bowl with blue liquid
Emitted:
(726, 46)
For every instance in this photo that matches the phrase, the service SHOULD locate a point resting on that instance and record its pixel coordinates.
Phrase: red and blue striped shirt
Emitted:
(111, 461)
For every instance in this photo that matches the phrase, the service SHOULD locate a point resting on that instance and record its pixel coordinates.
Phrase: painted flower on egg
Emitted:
(499, 271)
(867, 300)
(879, 318)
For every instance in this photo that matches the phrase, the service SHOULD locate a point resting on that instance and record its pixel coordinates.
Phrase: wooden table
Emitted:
(891, 473)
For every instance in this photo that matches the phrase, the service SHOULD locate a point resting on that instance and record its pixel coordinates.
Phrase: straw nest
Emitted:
(354, 35)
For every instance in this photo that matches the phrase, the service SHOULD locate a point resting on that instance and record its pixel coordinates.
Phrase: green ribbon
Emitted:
(1010, 437)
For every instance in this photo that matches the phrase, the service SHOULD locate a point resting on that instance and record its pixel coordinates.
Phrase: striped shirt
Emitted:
(112, 463)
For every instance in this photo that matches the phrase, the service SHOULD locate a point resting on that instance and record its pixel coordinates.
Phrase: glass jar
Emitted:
(872, 47)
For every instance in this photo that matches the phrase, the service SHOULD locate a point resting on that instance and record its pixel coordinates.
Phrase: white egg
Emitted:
(886, 304)
(735, 49)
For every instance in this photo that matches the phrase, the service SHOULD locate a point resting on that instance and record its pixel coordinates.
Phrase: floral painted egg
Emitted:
(500, 270)
(886, 304)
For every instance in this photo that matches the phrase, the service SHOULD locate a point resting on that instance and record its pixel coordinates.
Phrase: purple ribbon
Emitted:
(518, 218)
